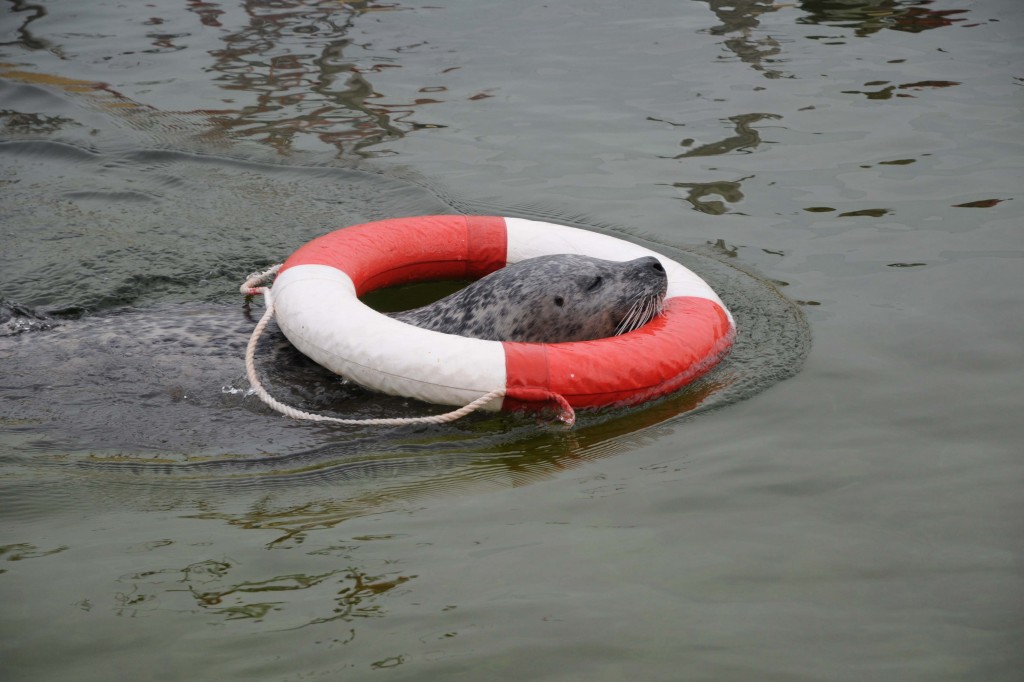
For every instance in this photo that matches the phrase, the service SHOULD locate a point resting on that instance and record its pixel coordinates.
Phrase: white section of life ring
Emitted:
(318, 310)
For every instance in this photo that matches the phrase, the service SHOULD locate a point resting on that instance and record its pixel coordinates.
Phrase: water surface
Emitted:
(847, 508)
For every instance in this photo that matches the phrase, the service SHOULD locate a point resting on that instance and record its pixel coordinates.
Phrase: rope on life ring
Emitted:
(251, 288)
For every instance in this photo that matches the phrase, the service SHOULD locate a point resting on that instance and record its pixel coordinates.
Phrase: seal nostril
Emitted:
(658, 266)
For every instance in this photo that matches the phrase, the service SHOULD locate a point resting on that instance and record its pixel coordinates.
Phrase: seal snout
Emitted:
(653, 272)
(650, 283)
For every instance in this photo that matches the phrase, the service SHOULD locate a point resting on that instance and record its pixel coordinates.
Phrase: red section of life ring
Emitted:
(401, 250)
(657, 359)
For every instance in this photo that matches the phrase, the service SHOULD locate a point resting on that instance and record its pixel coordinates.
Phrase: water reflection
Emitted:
(293, 76)
(294, 511)
(701, 194)
(18, 123)
(745, 140)
(740, 22)
(292, 56)
(870, 16)
(889, 91)
(209, 13)
(26, 38)
(291, 601)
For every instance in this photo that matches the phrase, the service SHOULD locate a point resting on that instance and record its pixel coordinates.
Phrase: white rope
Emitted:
(250, 288)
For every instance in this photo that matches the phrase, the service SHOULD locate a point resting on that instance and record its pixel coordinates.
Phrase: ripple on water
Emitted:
(153, 396)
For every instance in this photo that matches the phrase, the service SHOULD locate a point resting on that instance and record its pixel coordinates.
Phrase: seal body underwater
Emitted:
(550, 299)
(127, 378)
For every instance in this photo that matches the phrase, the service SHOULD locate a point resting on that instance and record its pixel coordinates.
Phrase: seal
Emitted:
(550, 299)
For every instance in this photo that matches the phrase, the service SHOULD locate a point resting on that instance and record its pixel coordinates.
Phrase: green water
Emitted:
(839, 500)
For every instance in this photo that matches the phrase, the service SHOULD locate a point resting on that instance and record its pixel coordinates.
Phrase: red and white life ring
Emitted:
(316, 298)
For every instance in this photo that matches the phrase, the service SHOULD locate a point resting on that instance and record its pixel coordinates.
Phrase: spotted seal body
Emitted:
(550, 299)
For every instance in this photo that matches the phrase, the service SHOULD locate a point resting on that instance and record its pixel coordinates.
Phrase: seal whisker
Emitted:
(642, 311)
(633, 318)
(623, 325)
(650, 307)
(637, 315)
(620, 328)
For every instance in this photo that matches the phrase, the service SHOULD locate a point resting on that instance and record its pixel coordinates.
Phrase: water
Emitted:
(839, 500)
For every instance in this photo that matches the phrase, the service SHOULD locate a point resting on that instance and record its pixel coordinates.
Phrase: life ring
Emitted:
(316, 296)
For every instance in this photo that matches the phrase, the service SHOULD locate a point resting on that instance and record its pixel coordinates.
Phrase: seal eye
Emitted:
(594, 284)
(559, 301)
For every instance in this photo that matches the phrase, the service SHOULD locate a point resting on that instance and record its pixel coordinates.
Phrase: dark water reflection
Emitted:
(745, 139)
(869, 16)
(297, 75)
(293, 57)
(740, 23)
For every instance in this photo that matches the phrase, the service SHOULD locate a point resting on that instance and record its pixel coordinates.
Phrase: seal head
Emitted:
(551, 299)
